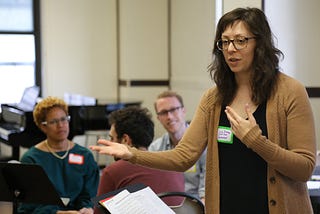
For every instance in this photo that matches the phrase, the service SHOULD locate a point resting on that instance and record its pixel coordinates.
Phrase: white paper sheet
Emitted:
(144, 201)
(313, 184)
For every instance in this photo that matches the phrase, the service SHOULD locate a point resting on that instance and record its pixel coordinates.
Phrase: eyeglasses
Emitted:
(238, 43)
(166, 112)
(53, 122)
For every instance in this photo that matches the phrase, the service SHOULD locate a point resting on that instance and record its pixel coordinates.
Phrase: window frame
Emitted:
(36, 32)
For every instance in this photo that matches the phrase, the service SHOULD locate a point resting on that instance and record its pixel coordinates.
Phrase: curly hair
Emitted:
(134, 121)
(265, 63)
(44, 106)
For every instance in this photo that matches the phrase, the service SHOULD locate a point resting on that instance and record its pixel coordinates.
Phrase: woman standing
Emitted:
(256, 123)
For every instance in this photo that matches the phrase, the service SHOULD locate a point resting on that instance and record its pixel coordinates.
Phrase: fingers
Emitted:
(95, 148)
(86, 211)
(231, 114)
(117, 150)
(233, 117)
(104, 142)
(101, 149)
(250, 114)
(239, 125)
(248, 111)
(230, 111)
(101, 142)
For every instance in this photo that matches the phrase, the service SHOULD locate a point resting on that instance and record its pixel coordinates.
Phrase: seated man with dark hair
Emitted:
(133, 127)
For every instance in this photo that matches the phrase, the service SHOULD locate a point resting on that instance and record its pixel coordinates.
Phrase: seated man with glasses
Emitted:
(70, 167)
(171, 114)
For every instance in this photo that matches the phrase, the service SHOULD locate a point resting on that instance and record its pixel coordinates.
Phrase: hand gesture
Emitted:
(67, 212)
(239, 125)
(81, 211)
(112, 148)
(86, 210)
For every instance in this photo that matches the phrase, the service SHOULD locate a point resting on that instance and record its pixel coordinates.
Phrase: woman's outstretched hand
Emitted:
(114, 149)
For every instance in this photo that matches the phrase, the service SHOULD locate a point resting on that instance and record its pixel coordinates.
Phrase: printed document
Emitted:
(144, 201)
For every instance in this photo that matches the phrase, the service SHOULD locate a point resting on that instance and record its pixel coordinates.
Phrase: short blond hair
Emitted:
(166, 94)
(43, 107)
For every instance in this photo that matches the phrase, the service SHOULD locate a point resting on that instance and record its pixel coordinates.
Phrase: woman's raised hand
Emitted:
(112, 148)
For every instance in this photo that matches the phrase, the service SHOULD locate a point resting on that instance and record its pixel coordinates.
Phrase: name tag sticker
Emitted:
(192, 169)
(75, 159)
(225, 135)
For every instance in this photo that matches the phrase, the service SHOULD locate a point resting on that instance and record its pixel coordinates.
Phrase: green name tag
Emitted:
(225, 135)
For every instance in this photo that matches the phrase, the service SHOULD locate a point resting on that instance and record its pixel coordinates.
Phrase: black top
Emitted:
(243, 173)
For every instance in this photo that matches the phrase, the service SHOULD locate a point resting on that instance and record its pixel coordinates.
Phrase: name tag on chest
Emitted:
(225, 135)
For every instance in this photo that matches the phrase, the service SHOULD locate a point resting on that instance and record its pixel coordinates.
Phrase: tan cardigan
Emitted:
(289, 151)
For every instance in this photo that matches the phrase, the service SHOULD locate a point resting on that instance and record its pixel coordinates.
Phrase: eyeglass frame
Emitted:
(166, 112)
(55, 122)
(246, 39)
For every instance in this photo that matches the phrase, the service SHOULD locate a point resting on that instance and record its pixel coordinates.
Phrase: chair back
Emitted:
(189, 205)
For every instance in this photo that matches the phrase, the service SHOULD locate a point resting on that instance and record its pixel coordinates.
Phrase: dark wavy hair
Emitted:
(134, 121)
(265, 62)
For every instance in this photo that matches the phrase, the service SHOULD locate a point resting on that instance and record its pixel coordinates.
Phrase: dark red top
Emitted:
(123, 173)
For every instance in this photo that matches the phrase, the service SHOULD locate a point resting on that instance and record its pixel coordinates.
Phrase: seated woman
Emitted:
(70, 167)
(133, 127)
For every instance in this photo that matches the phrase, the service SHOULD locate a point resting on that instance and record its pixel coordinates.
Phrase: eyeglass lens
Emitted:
(56, 121)
(238, 43)
(166, 112)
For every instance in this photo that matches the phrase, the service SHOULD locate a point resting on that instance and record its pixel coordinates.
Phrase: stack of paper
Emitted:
(143, 201)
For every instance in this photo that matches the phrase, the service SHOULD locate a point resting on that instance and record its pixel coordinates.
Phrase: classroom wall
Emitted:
(80, 54)
(294, 24)
(79, 47)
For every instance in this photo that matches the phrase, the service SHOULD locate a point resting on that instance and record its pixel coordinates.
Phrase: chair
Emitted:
(94, 120)
(190, 204)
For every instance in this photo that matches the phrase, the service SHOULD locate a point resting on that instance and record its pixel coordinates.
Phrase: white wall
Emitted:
(295, 24)
(80, 52)
(143, 40)
(232, 4)
(78, 47)
(192, 31)
(192, 42)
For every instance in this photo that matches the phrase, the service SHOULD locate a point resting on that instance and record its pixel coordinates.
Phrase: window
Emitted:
(19, 48)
